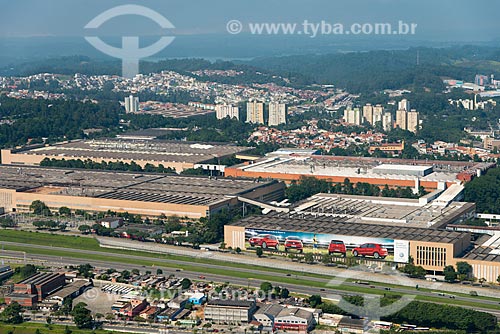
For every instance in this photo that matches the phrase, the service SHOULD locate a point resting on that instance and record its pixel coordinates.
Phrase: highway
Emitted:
(253, 280)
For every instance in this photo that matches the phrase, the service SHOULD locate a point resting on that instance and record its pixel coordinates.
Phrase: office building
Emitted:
(255, 112)
(226, 110)
(131, 104)
(277, 113)
(230, 311)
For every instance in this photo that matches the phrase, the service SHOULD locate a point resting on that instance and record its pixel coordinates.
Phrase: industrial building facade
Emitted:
(148, 195)
(422, 230)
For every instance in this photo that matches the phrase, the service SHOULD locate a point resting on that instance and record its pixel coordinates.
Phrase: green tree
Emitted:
(186, 283)
(159, 271)
(82, 316)
(64, 211)
(259, 252)
(464, 270)
(12, 314)
(26, 271)
(40, 208)
(450, 275)
(314, 301)
(285, 293)
(84, 229)
(266, 287)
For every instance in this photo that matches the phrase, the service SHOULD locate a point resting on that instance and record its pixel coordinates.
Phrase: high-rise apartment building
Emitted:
(353, 116)
(401, 118)
(131, 104)
(277, 113)
(404, 104)
(412, 121)
(368, 113)
(387, 121)
(255, 112)
(226, 110)
(378, 111)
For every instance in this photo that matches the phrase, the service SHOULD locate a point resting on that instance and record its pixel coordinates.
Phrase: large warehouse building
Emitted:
(174, 154)
(420, 229)
(136, 193)
(290, 166)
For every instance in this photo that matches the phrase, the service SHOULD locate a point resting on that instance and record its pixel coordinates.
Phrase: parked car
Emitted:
(375, 250)
(264, 241)
(337, 246)
(294, 243)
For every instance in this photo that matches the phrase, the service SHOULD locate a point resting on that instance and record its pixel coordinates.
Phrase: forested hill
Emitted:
(376, 70)
(33, 120)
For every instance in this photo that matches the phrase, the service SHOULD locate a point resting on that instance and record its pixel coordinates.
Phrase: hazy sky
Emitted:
(457, 20)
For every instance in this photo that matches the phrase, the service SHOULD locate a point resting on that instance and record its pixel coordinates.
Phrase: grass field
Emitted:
(84, 243)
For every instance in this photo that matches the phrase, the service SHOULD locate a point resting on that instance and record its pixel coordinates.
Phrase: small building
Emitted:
(350, 325)
(230, 311)
(168, 314)
(149, 312)
(178, 302)
(71, 290)
(110, 222)
(23, 299)
(197, 298)
(296, 319)
(267, 313)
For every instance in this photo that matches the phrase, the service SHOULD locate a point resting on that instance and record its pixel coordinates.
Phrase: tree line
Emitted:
(307, 186)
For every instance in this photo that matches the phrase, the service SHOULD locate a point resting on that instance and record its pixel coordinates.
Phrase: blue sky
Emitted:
(456, 20)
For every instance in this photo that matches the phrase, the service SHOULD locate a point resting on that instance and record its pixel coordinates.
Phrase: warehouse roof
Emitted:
(353, 167)
(145, 187)
(339, 226)
(137, 150)
(231, 303)
(382, 210)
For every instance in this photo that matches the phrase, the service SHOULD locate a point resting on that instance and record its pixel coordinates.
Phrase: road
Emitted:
(254, 281)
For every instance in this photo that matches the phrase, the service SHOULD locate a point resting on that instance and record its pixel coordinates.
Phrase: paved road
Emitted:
(254, 280)
(285, 264)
